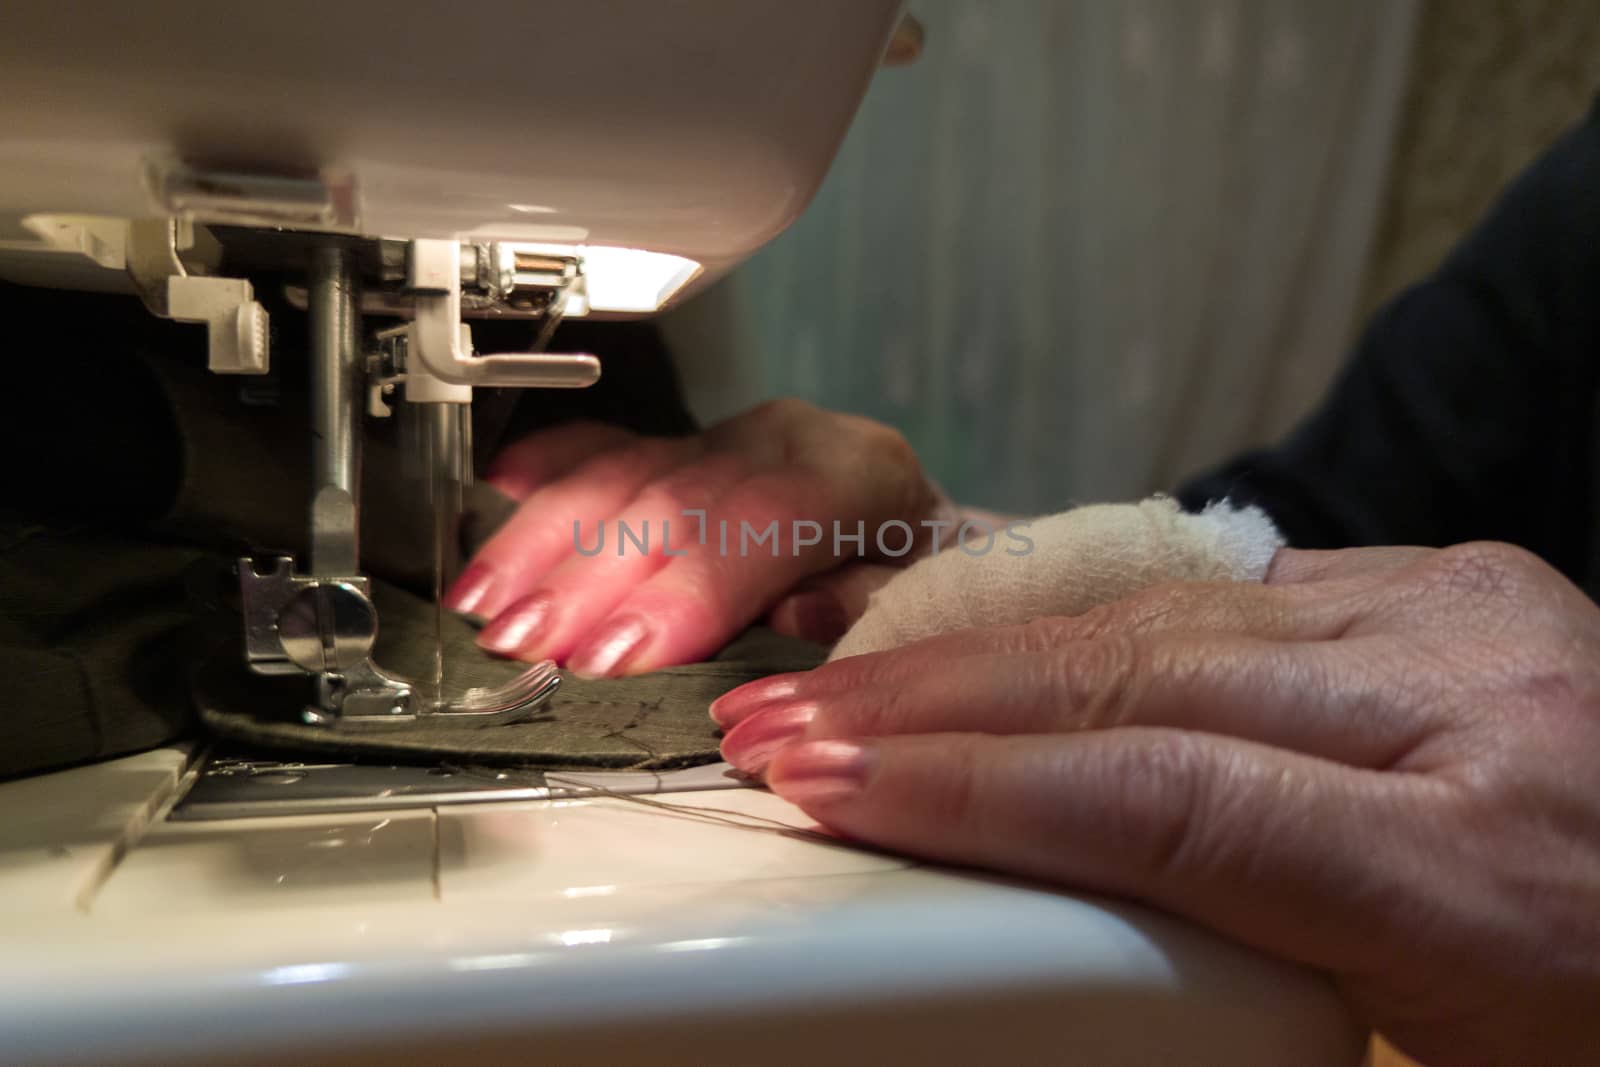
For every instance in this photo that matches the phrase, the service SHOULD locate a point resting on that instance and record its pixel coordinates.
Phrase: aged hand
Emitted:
(1384, 763)
(675, 588)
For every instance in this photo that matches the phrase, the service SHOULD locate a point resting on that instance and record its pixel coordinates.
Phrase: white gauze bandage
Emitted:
(1079, 559)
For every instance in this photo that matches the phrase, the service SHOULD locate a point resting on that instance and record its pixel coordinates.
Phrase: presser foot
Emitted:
(324, 624)
(366, 707)
(326, 627)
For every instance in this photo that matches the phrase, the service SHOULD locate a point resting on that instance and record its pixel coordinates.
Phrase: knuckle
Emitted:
(856, 465)
(782, 412)
(1164, 792)
(791, 407)
(1147, 609)
(1479, 590)
(1482, 569)
(1097, 683)
(1045, 633)
(885, 444)
(705, 588)
(883, 711)
(694, 483)
(868, 442)
(773, 433)
(663, 452)
(956, 801)
(629, 463)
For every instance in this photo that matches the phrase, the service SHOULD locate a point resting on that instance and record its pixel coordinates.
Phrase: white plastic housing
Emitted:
(698, 128)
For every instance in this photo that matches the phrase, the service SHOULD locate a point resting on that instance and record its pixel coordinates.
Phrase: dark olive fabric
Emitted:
(654, 721)
(138, 469)
(91, 628)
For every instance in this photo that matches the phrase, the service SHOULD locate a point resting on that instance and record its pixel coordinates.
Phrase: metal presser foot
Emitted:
(301, 624)
(323, 623)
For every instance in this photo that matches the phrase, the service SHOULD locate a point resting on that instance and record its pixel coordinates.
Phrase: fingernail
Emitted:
(821, 772)
(610, 649)
(737, 704)
(519, 626)
(467, 593)
(819, 617)
(751, 745)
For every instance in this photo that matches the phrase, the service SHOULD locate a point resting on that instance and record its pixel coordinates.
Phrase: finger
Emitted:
(814, 466)
(821, 609)
(1333, 701)
(541, 534)
(1294, 566)
(543, 457)
(693, 605)
(1293, 855)
(559, 610)
(1291, 613)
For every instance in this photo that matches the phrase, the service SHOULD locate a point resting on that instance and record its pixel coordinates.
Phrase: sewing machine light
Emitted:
(631, 281)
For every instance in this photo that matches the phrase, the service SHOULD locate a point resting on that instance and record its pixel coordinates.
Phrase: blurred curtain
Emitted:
(1082, 247)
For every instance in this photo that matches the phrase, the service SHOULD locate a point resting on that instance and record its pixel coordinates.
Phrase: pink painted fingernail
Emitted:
(821, 772)
(737, 704)
(751, 745)
(466, 595)
(610, 649)
(519, 626)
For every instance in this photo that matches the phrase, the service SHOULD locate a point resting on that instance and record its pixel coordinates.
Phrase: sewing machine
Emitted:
(544, 162)
(424, 165)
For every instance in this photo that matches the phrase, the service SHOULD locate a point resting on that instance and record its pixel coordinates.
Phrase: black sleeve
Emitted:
(1467, 410)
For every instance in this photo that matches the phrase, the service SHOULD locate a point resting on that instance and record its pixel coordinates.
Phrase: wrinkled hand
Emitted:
(625, 609)
(1384, 763)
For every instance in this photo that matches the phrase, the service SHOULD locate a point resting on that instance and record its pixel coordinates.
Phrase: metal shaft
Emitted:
(449, 461)
(336, 389)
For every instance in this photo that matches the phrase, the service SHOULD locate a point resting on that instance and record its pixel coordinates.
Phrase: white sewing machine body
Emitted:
(697, 128)
(581, 930)
(578, 137)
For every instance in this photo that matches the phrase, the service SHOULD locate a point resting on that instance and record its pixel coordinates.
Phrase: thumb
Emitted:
(822, 608)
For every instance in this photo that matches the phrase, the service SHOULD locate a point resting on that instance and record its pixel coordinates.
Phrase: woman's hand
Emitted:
(712, 540)
(1384, 763)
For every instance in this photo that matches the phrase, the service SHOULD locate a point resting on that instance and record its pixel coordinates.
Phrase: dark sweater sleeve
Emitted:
(1467, 409)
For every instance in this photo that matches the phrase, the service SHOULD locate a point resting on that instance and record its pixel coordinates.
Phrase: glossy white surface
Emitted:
(600, 847)
(313, 861)
(60, 833)
(601, 931)
(697, 127)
